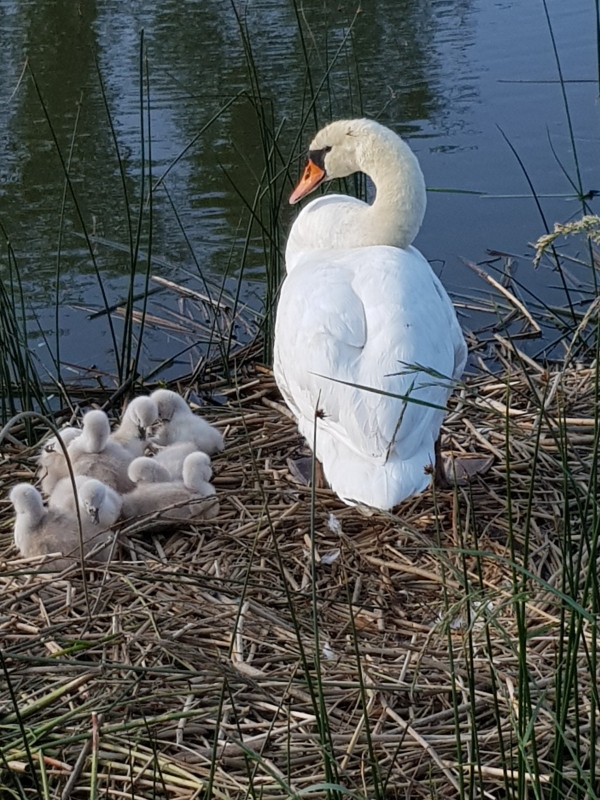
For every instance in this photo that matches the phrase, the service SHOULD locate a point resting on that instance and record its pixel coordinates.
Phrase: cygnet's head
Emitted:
(96, 430)
(67, 435)
(196, 469)
(147, 470)
(27, 500)
(143, 412)
(168, 403)
(92, 495)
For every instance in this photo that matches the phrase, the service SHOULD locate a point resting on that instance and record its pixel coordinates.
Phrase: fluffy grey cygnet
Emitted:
(101, 503)
(178, 423)
(52, 464)
(172, 457)
(147, 470)
(62, 497)
(94, 455)
(151, 497)
(40, 531)
(137, 420)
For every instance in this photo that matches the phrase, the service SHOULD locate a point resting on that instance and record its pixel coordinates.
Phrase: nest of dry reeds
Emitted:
(231, 658)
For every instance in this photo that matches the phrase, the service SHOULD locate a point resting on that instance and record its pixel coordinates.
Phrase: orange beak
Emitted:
(311, 178)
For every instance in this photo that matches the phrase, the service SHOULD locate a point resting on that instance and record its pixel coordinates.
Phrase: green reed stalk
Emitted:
(79, 214)
(61, 228)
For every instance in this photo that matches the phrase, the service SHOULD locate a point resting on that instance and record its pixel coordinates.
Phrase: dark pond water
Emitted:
(446, 74)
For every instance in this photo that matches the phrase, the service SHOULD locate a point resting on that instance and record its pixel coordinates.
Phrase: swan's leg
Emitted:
(439, 470)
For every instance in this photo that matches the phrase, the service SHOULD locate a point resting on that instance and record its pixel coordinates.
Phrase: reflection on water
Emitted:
(435, 70)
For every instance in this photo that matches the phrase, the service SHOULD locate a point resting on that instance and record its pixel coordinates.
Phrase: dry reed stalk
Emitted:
(205, 614)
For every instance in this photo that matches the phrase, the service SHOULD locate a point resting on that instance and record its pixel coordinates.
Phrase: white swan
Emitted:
(359, 306)
(178, 423)
(139, 416)
(94, 455)
(40, 531)
(52, 464)
(153, 494)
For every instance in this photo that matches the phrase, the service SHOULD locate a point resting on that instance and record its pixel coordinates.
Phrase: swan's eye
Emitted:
(327, 149)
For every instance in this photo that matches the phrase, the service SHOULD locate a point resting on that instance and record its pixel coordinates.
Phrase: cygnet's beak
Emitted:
(141, 432)
(95, 514)
(312, 177)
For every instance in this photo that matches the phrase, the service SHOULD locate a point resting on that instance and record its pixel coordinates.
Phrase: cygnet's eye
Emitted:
(49, 448)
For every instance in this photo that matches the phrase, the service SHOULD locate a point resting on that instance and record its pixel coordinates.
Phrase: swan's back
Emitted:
(365, 316)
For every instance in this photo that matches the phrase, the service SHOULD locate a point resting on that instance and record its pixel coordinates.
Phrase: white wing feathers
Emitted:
(360, 318)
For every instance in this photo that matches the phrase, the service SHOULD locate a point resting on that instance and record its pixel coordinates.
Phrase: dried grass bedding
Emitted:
(190, 665)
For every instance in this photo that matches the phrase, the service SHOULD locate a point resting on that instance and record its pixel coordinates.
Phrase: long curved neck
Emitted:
(336, 222)
(397, 212)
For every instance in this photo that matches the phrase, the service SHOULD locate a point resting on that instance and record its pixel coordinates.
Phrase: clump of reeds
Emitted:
(294, 646)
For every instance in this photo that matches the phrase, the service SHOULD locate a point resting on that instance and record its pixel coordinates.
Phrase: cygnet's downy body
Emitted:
(101, 507)
(52, 464)
(62, 497)
(100, 497)
(39, 531)
(178, 424)
(94, 455)
(197, 473)
(152, 496)
(172, 457)
(147, 470)
(137, 420)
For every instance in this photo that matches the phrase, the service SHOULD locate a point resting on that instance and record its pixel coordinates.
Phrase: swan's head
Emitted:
(336, 152)
(147, 470)
(142, 412)
(28, 501)
(92, 497)
(196, 469)
(347, 146)
(168, 404)
(96, 430)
